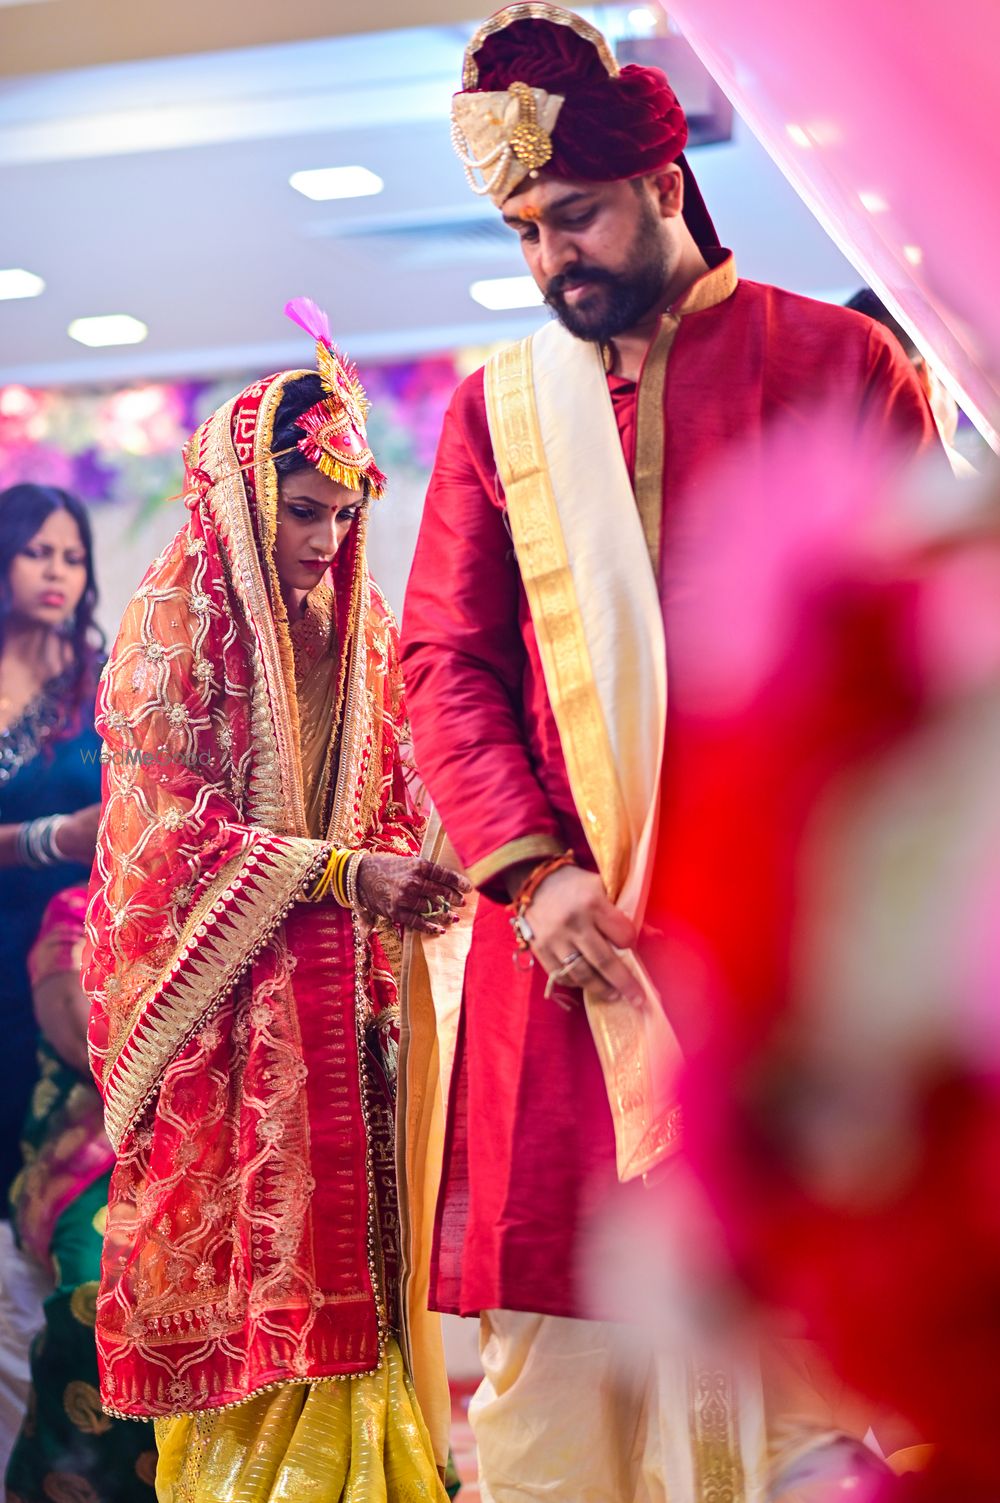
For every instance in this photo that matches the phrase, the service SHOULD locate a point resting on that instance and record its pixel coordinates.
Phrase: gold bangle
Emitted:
(330, 875)
(337, 878)
(334, 878)
(337, 882)
(317, 892)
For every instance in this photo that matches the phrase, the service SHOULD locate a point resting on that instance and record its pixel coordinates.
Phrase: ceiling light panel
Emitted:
(321, 183)
(16, 282)
(108, 329)
(498, 293)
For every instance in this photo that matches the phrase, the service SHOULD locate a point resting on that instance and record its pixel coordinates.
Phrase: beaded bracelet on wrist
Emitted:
(535, 878)
(523, 932)
(351, 878)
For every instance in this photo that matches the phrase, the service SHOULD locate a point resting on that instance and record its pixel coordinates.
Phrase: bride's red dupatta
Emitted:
(243, 1242)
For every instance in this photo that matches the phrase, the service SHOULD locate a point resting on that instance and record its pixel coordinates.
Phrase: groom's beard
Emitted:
(614, 300)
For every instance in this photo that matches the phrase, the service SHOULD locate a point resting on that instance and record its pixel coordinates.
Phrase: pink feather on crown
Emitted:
(335, 438)
(309, 316)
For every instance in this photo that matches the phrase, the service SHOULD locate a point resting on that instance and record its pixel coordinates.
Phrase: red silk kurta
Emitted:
(529, 1153)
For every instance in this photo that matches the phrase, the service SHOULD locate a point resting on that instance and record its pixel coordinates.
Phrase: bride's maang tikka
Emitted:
(335, 440)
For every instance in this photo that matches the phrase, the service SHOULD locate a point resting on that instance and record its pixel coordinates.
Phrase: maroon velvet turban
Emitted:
(621, 125)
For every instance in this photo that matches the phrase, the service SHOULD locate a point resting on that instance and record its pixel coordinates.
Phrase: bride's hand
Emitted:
(414, 893)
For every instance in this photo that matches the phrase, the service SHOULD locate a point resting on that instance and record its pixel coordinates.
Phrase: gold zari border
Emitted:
(718, 1463)
(534, 10)
(710, 289)
(548, 581)
(206, 964)
(650, 438)
(540, 545)
(510, 854)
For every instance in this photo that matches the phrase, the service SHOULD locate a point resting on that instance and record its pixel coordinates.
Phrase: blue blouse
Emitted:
(44, 769)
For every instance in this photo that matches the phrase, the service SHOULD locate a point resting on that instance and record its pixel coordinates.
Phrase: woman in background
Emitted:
(50, 776)
(68, 1448)
(50, 772)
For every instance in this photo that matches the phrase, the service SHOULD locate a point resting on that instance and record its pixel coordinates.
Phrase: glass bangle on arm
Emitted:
(351, 877)
(337, 876)
(37, 841)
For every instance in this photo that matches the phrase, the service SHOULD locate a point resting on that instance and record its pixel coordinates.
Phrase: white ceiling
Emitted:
(160, 189)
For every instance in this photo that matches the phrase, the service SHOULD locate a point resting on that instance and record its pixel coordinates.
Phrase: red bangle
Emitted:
(535, 879)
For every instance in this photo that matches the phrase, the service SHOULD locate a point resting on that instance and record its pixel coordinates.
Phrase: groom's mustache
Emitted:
(580, 276)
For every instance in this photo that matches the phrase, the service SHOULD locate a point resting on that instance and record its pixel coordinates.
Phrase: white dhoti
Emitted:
(580, 1411)
(586, 1412)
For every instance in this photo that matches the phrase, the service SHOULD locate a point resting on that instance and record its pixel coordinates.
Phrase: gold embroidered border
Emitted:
(534, 10)
(169, 1416)
(273, 627)
(200, 914)
(510, 854)
(276, 781)
(215, 947)
(710, 289)
(548, 581)
(352, 712)
(650, 438)
(420, 1129)
(628, 1041)
(718, 1464)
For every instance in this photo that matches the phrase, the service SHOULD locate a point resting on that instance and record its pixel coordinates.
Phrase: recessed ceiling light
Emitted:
(913, 254)
(16, 282)
(497, 293)
(641, 20)
(873, 202)
(337, 182)
(109, 328)
(799, 136)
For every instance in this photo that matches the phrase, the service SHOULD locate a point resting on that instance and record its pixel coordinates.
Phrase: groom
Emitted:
(535, 660)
